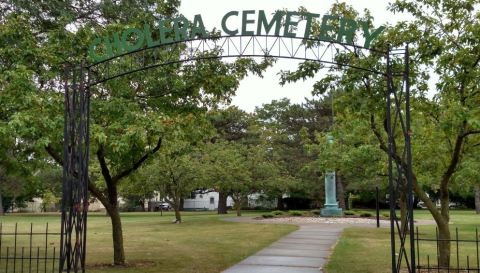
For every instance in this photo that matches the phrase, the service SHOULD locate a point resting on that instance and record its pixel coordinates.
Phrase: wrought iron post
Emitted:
(75, 170)
(400, 174)
(391, 193)
(408, 148)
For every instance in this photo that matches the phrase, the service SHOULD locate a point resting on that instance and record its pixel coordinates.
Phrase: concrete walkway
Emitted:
(303, 251)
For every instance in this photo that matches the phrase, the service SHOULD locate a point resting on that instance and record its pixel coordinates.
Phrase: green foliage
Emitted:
(239, 160)
(315, 212)
(366, 214)
(130, 115)
(278, 212)
(176, 171)
(287, 127)
(443, 71)
(349, 212)
(295, 213)
(268, 215)
(50, 200)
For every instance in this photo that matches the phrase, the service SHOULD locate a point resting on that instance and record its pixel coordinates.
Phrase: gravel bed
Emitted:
(323, 220)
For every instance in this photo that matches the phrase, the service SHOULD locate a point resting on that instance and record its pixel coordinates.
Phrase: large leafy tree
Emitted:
(240, 136)
(443, 38)
(130, 116)
(231, 125)
(286, 127)
(176, 171)
(354, 155)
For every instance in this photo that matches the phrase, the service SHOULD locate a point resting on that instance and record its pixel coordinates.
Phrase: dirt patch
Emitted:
(353, 219)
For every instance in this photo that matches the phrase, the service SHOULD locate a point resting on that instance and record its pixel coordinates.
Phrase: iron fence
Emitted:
(464, 254)
(31, 250)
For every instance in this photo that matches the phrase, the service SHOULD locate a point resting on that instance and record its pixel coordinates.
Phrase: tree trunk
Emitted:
(178, 216)
(117, 235)
(340, 191)
(239, 209)
(477, 198)
(238, 205)
(442, 218)
(280, 205)
(1, 204)
(444, 245)
(222, 202)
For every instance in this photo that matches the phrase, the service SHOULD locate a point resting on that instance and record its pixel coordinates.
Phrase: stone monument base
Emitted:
(331, 212)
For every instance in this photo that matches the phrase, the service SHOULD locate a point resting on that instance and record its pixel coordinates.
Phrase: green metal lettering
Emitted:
(138, 40)
(245, 22)
(326, 28)
(224, 23)
(91, 50)
(290, 25)
(148, 36)
(308, 26)
(108, 47)
(262, 21)
(369, 37)
(164, 28)
(198, 28)
(347, 29)
(180, 27)
(117, 44)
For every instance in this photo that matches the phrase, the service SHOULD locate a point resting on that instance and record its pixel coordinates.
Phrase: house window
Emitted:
(212, 200)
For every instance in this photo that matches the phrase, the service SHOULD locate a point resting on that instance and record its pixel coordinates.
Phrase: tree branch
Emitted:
(103, 164)
(416, 188)
(96, 192)
(473, 132)
(99, 195)
(377, 134)
(51, 151)
(137, 164)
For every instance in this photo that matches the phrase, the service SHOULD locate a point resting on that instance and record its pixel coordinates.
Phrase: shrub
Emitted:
(349, 212)
(315, 212)
(268, 215)
(386, 215)
(366, 214)
(295, 213)
(277, 212)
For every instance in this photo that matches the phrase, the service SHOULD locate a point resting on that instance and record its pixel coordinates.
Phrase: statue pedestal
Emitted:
(331, 208)
(331, 212)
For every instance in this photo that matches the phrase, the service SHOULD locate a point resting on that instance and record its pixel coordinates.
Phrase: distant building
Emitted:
(208, 200)
(204, 201)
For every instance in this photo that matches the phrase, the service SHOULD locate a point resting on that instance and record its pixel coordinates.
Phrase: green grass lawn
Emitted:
(367, 250)
(202, 243)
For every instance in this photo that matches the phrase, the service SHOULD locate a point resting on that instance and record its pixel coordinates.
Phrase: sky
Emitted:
(255, 91)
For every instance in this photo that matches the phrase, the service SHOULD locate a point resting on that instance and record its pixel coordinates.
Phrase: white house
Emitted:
(204, 201)
(209, 201)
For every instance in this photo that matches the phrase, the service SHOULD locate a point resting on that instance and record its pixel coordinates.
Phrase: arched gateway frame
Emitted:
(80, 79)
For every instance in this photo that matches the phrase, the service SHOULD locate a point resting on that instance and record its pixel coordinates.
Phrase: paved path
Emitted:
(303, 251)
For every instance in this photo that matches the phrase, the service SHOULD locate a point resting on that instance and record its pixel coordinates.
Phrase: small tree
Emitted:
(224, 168)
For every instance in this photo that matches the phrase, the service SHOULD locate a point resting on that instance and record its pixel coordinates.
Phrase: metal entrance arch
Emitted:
(81, 78)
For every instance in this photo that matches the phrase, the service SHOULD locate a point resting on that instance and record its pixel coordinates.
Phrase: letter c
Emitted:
(224, 23)
(93, 54)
